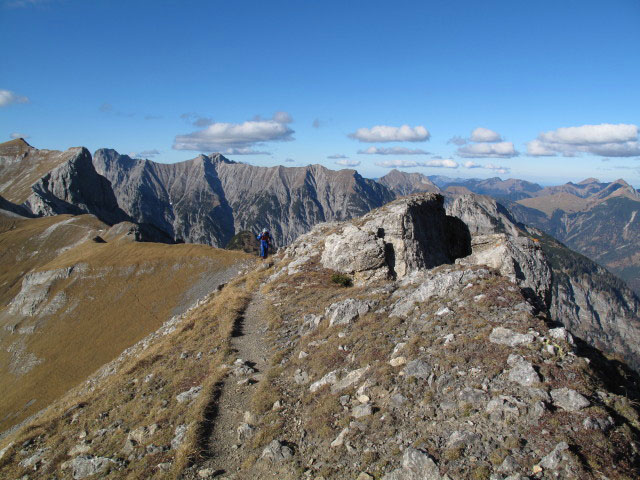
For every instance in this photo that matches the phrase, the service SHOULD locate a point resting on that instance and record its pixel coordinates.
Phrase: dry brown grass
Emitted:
(143, 392)
(126, 291)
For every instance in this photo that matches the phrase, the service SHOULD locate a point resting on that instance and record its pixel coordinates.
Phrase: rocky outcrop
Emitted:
(75, 187)
(576, 292)
(404, 236)
(500, 243)
(210, 198)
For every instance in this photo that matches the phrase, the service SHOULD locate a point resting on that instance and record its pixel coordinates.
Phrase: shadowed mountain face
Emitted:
(209, 199)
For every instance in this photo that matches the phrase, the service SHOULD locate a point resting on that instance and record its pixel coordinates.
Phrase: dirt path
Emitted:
(225, 452)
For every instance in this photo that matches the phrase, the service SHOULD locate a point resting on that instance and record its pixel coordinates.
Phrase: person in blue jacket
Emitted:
(265, 241)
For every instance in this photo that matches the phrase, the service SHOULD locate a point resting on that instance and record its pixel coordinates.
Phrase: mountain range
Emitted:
(597, 219)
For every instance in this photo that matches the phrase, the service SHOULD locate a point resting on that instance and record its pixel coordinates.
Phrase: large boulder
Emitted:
(406, 235)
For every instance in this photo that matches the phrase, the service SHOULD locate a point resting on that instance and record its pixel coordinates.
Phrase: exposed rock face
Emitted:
(209, 199)
(21, 166)
(501, 244)
(578, 293)
(404, 236)
(75, 187)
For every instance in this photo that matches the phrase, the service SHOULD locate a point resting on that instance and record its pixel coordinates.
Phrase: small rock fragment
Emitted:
(360, 411)
(397, 361)
(569, 399)
(340, 438)
(189, 395)
(555, 458)
(418, 369)
(505, 336)
(276, 452)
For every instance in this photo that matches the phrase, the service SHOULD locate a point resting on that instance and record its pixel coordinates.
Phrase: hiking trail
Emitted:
(248, 342)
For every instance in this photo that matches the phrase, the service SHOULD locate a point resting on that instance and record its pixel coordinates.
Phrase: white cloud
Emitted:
(337, 156)
(348, 163)
(444, 163)
(482, 134)
(237, 138)
(393, 151)
(7, 97)
(470, 164)
(145, 153)
(15, 135)
(384, 133)
(483, 150)
(25, 3)
(497, 169)
(282, 117)
(592, 134)
(605, 139)
(289, 160)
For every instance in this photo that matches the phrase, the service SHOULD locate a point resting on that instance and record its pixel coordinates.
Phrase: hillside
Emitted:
(74, 293)
(403, 183)
(605, 229)
(432, 364)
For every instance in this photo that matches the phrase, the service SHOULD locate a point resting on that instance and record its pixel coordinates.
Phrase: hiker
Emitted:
(265, 240)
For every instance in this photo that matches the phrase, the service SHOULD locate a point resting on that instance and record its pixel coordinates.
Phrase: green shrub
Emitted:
(341, 279)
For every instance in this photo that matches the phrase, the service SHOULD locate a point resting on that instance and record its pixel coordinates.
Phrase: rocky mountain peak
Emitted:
(589, 180)
(404, 183)
(14, 147)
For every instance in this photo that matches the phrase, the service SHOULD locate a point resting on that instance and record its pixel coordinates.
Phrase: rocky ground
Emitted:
(366, 350)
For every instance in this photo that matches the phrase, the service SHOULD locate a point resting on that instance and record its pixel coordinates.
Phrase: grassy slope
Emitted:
(141, 392)
(121, 291)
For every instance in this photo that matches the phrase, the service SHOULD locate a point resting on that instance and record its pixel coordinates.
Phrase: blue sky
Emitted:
(546, 91)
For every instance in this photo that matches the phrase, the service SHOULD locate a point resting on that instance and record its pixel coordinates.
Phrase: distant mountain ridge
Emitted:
(403, 183)
(204, 200)
(210, 198)
(597, 219)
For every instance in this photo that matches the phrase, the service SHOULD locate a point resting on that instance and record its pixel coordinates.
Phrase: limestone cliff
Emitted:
(578, 293)
(209, 199)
